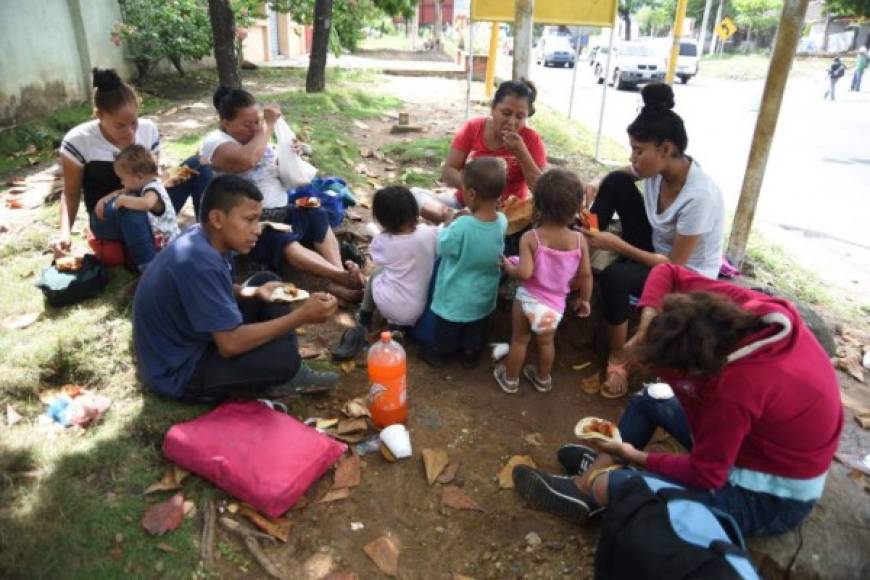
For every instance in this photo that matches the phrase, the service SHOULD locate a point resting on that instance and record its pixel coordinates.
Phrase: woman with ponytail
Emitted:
(87, 155)
(678, 217)
(240, 146)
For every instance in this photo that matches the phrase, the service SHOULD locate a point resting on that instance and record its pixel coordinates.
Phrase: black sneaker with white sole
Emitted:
(555, 494)
(576, 459)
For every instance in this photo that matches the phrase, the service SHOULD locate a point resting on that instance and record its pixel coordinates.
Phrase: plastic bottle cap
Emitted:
(386, 336)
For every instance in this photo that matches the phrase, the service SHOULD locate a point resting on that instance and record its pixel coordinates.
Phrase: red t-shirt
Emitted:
(470, 139)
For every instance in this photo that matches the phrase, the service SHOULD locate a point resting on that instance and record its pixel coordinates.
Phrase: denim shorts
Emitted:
(310, 227)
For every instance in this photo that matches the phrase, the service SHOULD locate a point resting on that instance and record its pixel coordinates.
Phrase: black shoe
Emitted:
(431, 358)
(352, 342)
(576, 459)
(306, 382)
(555, 494)
(471, 358)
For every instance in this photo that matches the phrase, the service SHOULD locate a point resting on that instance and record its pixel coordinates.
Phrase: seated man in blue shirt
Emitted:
(201, 338)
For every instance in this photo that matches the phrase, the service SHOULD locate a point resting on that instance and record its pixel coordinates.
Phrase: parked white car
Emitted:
(555, 51)
(632, 63)
(687, 61)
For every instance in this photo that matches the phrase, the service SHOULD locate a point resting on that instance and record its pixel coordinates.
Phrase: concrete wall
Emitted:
(291, 40)
(47, 48)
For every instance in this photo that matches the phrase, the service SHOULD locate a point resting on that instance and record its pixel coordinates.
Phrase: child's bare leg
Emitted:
(546, 354)
(520, 336)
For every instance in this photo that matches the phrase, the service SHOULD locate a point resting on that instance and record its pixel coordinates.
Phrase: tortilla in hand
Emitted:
(595, 428)
(519, 213)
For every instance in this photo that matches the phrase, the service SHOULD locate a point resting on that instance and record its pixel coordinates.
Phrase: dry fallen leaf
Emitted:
(862, 417)
(12, 416)
(13, 204)
(851, 363)
(385, 554)
(171, 480)
(163, 546)
(534, 439)
(189, 510)
(590, 385)
(434, 460)
(309, 351)
(449, 473)
(453, 497)
(347, 366)
(356, 408)
(347, 426)
(360, 125)
(505, 476)
(164, 516)
(335, 495)
(342, 575)
(365, 152)
(347, 472)
(276, 527)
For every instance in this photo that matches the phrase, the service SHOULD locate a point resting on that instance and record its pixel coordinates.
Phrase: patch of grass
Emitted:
(741, 67)
(429, 151)
(575, 142)
(183, 146)
(322, 119)
(785, 273)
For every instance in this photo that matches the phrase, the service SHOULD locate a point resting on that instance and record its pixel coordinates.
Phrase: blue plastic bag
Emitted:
(333, 193)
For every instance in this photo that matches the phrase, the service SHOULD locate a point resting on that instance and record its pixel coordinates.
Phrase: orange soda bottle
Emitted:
(388, 399)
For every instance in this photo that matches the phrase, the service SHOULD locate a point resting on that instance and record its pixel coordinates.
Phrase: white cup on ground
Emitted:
(398, 440)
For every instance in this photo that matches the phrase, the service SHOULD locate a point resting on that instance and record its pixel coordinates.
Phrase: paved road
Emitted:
(815, 199)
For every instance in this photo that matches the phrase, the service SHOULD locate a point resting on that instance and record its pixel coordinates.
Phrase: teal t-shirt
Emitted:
(470, 252)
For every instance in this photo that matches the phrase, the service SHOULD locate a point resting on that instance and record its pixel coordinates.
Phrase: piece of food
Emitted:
(277, 226)
(291, 290)
(178, 175)
(590, 220)
(595, 428)
(308, 202)
(69, 263)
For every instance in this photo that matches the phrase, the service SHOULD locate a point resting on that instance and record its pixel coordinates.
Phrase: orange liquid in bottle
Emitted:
(387, 368)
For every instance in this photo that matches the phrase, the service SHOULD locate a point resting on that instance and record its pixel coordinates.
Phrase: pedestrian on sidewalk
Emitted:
(860, 65)
(835, 73)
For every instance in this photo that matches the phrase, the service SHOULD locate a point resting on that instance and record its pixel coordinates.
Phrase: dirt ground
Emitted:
(460, 411)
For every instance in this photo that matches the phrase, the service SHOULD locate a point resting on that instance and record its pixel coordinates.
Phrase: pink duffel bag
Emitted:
(261, 456)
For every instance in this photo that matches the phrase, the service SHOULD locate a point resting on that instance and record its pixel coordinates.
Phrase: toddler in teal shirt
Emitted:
(470, 248)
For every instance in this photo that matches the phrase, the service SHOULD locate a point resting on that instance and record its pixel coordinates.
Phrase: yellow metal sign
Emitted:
(725, 29)
(568, 12)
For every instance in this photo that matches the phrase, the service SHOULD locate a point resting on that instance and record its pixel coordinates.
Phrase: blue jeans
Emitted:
(756, 513)
(856, 79)
(192, 188)
(127, 226)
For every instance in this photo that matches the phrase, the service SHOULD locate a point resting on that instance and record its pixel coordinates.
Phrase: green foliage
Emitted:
(156, 29)
(760, 16)
(848, 8)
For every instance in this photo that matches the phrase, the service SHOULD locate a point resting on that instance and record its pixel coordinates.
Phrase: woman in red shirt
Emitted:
(750, 394)
(504, 134)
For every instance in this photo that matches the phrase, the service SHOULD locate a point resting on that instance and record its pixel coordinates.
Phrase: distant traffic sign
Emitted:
(725, 29)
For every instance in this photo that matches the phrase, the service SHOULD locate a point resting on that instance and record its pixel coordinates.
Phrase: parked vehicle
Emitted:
(632, 63)
(555, 50)
(687, 61)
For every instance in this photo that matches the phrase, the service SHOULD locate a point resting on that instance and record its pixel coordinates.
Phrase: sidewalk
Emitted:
(351, 61)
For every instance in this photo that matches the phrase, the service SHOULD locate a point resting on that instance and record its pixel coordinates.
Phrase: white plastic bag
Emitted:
(292, 169)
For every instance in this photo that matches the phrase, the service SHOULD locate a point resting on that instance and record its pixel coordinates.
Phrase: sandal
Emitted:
(617, 376)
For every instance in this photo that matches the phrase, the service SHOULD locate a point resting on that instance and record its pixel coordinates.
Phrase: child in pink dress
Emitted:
(551, 264)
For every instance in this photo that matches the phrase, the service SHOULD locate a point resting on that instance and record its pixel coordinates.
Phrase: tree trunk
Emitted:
(828, 20)
(627, 18)
(315, 82)
(524, 11)
(176, 62)
(415, 28)
(223, 28)
(439, 22)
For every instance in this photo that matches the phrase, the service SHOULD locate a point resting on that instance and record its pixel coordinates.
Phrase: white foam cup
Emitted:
(659, 390)
(398, 440)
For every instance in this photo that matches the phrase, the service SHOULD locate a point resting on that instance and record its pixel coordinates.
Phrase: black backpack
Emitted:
(65, 288)
(653, 529)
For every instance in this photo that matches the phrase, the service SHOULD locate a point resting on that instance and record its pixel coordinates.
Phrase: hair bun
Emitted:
(106, 79)
(657, 97)
(219, 95)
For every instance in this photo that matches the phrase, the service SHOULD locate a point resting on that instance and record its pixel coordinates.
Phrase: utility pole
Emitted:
(675, 47)
(702, 38)
(787, 35)
(713, 38)
(524, 20)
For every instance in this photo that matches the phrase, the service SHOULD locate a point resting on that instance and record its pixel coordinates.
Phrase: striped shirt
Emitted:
(86, 146)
